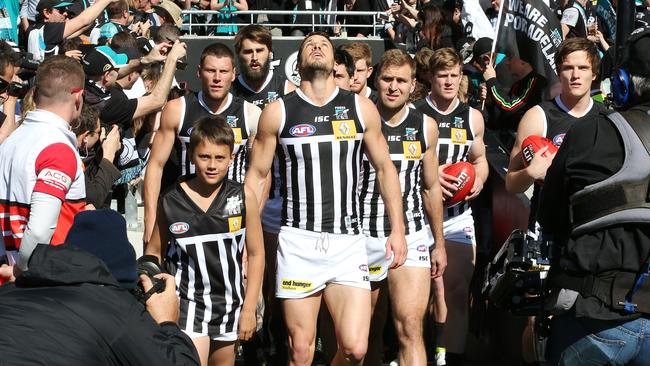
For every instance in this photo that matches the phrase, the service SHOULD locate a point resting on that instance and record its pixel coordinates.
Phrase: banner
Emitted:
(530, 30)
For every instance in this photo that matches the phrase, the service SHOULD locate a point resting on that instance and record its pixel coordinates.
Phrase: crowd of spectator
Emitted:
(90, 96)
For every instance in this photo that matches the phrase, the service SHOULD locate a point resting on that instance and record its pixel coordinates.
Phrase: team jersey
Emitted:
(407, 143)
(40, 156)
(557, 122)
(194, 108)
(455, 138)
(274, 87)
(319, 159)
(206, 250)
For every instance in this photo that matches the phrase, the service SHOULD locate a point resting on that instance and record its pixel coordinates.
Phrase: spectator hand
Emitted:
(7, 274)
(178, 51)
(111, 145)
(247, 324)
(75, 54)
(158, 53)
(163, 307)
(489, 72)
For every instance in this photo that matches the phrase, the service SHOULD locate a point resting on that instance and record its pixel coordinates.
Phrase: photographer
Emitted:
(76, 305)
(9, 61)
(593, 207)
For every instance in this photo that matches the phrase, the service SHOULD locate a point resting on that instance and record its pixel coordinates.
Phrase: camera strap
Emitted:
(628, 306)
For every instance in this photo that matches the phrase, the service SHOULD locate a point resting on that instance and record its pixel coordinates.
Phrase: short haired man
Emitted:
(169, 150)
(118, 16)
(460, 139)
(53, 25)
(362, 56)
(577, 63)
(43, 185)
(593, 208)
(92, 317)
(343, 69)
(412, 138)
(319, 132)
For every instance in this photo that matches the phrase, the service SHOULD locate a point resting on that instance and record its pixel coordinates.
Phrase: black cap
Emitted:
(51, 4)
(481, 47)
(101, 60)
(635, 58)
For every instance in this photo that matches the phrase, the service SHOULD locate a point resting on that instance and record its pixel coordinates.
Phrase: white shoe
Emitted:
(394, 362)
(440, 359)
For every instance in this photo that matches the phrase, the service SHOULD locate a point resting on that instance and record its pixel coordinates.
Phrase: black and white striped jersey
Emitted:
(407, 144)
(319, 159)
(206, 248)
(272, 89)
(455, 138)
(235, 114)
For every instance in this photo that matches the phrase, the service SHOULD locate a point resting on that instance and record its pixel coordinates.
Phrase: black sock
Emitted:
(438, 329)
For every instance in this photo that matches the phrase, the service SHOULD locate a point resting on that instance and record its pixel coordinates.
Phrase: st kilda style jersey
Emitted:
(273, 88)
(206, 249)
(455, 138)
(319, 160)
(557, 122)
(195, 109)
(406, 144)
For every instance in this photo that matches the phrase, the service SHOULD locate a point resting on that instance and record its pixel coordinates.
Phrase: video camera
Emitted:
(515, 277)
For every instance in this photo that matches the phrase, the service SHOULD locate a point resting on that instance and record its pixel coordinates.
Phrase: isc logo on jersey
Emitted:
(179, 228)
(302, 130)
(344, 130)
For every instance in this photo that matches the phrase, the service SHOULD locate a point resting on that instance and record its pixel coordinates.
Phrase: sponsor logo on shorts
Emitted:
(179, 228)
(296, 285)
(363, 267)
(374, 269)
(302, 130)
(422, 248)
(468, 229)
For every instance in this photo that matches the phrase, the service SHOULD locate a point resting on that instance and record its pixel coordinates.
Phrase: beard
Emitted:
(256, 75)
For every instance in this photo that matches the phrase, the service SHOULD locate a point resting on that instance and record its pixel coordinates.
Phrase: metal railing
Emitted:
(316, 24)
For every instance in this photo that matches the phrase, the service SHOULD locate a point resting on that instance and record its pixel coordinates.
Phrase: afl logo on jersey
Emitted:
(302, 130)
(179, 228)
(558, 139)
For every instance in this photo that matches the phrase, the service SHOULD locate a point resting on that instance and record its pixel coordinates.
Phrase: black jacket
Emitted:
(100, 175)
(69, 310)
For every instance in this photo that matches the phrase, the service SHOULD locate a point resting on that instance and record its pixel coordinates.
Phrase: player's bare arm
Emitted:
(255, 272)
(159, 240)
(432, 198)
(261, 156)
(377, 151)
(477, 156)
(520, 177)
(160, 150)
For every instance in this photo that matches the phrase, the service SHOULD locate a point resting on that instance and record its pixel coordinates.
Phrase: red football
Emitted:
(532, 144)
(465, 173)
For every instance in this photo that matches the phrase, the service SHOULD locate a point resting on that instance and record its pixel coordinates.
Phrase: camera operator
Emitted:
(594, 208)
(76, 304)
(9, 61)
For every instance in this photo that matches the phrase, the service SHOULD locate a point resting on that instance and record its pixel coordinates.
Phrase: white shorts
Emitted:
(271, 215)
(226, 337)
(308, 261)
(418, 244)
(460, 229)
